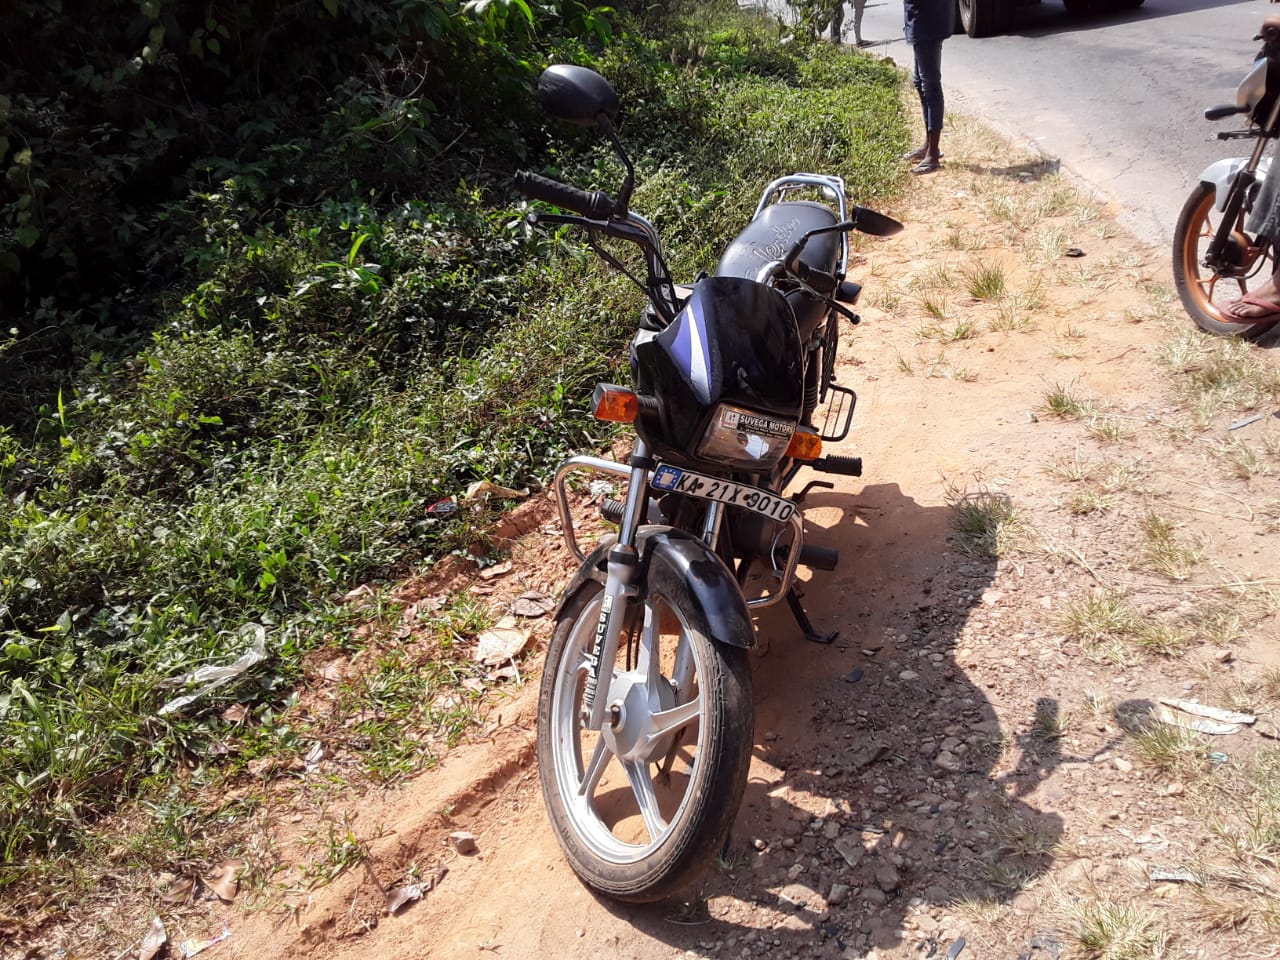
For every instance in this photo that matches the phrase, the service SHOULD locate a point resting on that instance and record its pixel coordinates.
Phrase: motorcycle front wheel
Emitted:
(1204, 291)
(641, 807)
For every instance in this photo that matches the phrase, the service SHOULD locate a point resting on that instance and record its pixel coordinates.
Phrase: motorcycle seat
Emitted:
(770, 235)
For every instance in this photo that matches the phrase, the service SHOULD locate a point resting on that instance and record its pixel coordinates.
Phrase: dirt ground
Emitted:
(953, 777)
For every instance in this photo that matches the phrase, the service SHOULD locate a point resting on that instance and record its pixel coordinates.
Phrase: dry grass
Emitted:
(1109, 930)
(1167, 749)
(1165, 551)
(1064, 402)
(984, 523)
(1214, 376)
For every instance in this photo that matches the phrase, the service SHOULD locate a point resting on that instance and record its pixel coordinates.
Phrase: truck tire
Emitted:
(985, 18)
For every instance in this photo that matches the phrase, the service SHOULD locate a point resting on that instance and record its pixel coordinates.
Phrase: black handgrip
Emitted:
(1225, 110)
(821, 281)
(594, 204)
(848, 292)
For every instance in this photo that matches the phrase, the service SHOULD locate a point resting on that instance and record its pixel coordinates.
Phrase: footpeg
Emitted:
(612, 510)
(847, 466)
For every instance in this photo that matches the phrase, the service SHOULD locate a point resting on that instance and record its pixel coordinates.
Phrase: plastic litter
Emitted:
(955, 949)
(854, 675)
(154, 941)
(443, 508)
(189, 948)
(1173, 875)
(483, 489)
(1246, 421)
(213, 677)
(1193, 715)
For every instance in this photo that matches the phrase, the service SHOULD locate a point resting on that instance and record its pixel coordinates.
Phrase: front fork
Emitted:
(1243, 182)
(1224, 236)
(623, 562)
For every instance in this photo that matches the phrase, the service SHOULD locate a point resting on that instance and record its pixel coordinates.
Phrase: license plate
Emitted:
(675, 480)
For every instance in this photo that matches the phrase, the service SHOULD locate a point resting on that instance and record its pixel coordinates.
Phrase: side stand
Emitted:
(802, 618)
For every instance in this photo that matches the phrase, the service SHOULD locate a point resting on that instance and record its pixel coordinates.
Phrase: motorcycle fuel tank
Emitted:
(734, 343)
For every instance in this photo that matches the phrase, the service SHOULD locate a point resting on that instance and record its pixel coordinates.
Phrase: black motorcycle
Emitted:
(645, 715)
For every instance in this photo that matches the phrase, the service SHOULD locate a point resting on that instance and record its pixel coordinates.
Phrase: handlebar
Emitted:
(595, 204)
(1225, 110)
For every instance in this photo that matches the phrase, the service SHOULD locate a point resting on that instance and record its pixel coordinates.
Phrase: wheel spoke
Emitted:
(682, 673)
(595, 768)
(668, 721)
(646, 799)
(647, 660)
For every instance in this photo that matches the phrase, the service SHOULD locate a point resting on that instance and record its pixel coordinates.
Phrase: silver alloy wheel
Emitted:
(627, 788)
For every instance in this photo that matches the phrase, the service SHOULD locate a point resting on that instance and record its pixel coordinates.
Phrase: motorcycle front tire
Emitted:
(644, 828)
(1196, 283)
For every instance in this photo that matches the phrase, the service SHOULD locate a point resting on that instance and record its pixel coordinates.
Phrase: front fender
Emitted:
(679, 566)
(1222, 172)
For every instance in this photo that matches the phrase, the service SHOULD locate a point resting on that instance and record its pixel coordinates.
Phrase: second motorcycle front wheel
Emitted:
(1205, 291)
(641, 807)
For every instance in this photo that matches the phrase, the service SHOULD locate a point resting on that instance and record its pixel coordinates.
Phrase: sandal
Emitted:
(927, 165)
(1270, 311)
(918, 154)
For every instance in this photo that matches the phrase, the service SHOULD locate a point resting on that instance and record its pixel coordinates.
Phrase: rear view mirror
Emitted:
(876, 224)
(576, 95)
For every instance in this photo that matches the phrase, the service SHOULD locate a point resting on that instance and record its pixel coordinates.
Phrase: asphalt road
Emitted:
(1118, 99)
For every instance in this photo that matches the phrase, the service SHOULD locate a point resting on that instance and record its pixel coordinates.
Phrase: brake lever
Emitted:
(841, 308)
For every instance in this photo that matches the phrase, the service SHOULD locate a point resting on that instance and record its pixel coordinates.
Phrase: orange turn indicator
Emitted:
(804, 446)
(614, 404)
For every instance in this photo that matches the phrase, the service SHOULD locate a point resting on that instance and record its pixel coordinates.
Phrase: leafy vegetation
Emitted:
(272, 297)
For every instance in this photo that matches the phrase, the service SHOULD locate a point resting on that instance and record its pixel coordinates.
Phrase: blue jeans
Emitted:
(928, 82)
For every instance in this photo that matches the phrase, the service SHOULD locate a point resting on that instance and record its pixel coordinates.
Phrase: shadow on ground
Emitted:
(874, 793)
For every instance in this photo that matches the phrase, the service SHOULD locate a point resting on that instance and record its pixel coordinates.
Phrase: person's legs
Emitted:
(837, 22)
(1264, 222)
(927, 77)
(928, 81)
(859, 6)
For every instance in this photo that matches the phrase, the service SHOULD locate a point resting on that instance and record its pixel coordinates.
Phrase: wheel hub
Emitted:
(1234, 258)
(630, 733)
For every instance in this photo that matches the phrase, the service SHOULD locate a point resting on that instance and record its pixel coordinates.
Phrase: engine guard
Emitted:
(1222, 172)
(679, 566)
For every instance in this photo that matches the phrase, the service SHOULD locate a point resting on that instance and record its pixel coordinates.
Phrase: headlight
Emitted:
(741, 438)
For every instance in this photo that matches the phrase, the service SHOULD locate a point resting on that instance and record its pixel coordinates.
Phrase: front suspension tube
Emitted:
(623, 562)
(1222, 237)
